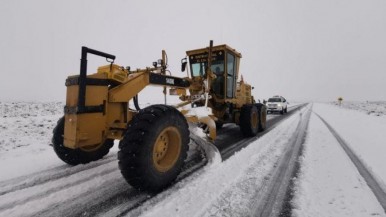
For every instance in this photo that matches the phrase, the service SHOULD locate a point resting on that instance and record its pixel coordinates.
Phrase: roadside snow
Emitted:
(25, 135)
(329, 184)
(365, 134)
(375, 108)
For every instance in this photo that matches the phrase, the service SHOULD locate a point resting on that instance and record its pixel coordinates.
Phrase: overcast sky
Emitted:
(301, 49)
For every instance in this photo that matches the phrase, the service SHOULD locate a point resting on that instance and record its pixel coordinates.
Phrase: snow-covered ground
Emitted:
(328, 183)
(25, 135)
(375, 108)
(364, 133)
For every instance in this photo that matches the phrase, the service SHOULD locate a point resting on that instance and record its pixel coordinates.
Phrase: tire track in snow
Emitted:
(272, 123)
(121, 204)
(113, 198)
(55, 201)
(230, 139)
(51, 174)
(78, 204)
(39, 195)
(272, 197)
(371, 181)
(40, 191)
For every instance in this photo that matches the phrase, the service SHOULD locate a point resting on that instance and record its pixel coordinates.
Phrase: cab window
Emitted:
(218, 67)
(218, 84)
(198, 69)
(199, 63)
(230, 75)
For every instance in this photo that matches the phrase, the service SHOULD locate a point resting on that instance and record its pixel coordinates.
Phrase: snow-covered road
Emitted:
(35, 183)
(329, 184)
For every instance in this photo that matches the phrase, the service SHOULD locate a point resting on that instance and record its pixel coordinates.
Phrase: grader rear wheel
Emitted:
(262, 119)
(262, 110)
(249, 120)
(77, 156)
(154, 148)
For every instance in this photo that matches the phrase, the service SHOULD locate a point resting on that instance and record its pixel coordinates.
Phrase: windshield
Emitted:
(274, 100)
(198, 69)
(199, 62)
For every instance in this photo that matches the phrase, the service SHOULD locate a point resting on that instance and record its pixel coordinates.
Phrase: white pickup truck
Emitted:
(277, 104)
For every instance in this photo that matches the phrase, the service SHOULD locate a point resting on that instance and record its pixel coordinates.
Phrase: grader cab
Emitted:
(227, 95)
(154, 140)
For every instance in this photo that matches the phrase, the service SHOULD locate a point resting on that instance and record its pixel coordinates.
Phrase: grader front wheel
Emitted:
(167, 149)
(154, 148)
(77, 156)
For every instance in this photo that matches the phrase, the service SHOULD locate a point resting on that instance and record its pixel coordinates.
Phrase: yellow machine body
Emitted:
(154, 141)
(100, 111)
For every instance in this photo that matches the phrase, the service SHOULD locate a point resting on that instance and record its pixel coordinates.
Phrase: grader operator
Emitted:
(154, 140)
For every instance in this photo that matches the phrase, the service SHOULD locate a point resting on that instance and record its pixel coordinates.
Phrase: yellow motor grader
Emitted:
(154, 140)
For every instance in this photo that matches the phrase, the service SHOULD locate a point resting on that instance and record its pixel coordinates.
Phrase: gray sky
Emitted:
(301, 49)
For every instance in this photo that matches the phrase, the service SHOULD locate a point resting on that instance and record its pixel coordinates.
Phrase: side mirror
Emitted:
(183, 64)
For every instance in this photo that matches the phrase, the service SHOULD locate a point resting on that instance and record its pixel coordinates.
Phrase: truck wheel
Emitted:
(77, 156)
(282, 111)
(154, 147)
(286, 111)
(249, 120)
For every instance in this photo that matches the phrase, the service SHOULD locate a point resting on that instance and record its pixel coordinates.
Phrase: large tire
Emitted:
(262, 109)
(249, 120)
(76, 156)
(154, 148)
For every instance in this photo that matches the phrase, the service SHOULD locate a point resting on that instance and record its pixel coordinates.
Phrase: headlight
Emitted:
(279, 105)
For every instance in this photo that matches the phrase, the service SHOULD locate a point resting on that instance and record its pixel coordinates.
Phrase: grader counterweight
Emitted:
(153, 141)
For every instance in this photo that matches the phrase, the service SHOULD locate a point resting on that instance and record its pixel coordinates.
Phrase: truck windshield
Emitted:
(199, 62)
(274, 100)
